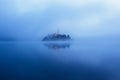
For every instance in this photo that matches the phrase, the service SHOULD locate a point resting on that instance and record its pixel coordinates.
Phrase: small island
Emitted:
(56, 37)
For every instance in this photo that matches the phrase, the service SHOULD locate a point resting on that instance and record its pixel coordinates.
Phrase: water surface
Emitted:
(77, 60)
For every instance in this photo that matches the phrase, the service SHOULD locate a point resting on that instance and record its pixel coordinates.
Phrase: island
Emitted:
(56, 37)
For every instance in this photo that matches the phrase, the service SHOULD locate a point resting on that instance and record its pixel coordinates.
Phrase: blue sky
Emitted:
(32, 19)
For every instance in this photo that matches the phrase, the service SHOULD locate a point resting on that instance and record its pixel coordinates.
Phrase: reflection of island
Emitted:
(57, 46)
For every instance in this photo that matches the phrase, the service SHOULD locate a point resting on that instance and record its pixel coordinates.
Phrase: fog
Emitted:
(34, 19)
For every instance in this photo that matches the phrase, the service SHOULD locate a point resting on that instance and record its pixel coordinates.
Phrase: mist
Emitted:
(59, 39)
(22, 20)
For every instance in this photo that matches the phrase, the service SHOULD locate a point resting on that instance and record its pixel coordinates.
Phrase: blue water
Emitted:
(80, 60)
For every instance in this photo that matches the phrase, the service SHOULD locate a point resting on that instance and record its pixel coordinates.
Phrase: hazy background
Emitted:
(33, 19)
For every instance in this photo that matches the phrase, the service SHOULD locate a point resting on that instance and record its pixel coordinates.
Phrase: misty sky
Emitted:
(33, 19)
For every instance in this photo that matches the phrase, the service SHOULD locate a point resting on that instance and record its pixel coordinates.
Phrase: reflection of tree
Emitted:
(57, 46)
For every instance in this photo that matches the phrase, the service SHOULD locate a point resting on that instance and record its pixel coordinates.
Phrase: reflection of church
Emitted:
(57, 46)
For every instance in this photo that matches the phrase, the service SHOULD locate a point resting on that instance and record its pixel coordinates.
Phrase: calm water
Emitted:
(80, 60)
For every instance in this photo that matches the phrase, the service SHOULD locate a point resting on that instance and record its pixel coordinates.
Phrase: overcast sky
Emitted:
(33, 19)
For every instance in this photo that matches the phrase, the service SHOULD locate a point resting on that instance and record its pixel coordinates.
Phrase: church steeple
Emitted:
(58, 32)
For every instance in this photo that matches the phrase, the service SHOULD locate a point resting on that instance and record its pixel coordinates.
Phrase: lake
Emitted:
(75, 60)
